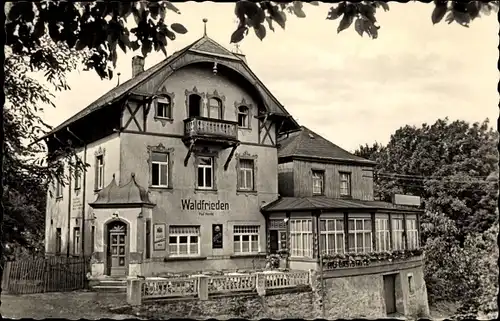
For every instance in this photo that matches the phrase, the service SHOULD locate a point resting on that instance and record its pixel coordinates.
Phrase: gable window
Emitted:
(184, 240)
(332, 235)
(78, 179)
(205, 173)
(301, 238)
(318, 182)
(58, 241)
(345, 184)
(164, 107)
(159, 169)
(194, 102)
(243, 119)
(214, 108)
(382, 236)
(246, 175)
(360, 235)
(246, 239)
(99, 179)
(59, 189)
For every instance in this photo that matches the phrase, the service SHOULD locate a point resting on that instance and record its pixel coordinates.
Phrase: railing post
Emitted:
(260, 283)
(203, 287)
(134, 293)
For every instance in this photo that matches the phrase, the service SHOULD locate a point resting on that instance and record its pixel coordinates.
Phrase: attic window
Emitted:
(311, 136)
(243, 121)
(164, 107)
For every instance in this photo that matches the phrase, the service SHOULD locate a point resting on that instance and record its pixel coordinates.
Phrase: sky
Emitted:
(349, 89)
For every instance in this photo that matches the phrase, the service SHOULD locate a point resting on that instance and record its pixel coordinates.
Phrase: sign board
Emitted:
(217, 242)
(76, 203)
(407, 200)
(205, 208)
(159, 237)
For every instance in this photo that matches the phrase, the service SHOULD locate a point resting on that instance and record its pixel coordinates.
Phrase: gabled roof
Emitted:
(128, 195)
(305, 143)
(204, 45)
(315, 203)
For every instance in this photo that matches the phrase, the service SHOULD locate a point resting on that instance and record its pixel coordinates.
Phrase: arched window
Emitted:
(214, 108)
(243, 119)
(194, 102)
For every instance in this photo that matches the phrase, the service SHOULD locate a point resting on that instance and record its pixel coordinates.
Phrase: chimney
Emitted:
(137, 65)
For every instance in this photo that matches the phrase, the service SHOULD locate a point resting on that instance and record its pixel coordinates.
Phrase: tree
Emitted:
(453, 167)
(101, 27)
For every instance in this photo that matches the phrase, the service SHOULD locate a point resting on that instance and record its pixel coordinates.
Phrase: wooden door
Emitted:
(390, 293)
(117, 249)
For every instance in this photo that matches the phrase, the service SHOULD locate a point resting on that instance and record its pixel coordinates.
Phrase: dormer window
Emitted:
(214, 108)
(318, 182)
(243, 119)
(345, 184)
(164, 107)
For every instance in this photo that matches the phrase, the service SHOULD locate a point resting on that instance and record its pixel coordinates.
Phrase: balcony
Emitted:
(208, 130)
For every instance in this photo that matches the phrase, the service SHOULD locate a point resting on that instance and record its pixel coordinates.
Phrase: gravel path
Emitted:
(68, 305)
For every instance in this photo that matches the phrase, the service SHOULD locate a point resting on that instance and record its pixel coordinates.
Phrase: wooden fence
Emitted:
(51, 274)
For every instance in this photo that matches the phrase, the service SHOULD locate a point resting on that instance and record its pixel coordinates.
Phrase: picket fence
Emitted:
(201, 286)
(50, 274)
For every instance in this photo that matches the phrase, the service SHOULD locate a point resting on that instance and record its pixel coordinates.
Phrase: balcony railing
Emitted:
(201, 127)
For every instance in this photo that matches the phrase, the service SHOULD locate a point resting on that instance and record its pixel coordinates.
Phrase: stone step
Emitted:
(109, 289)
(113, 282)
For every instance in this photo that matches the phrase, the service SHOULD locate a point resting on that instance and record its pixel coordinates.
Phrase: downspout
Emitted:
(69, 212)
(84, 180)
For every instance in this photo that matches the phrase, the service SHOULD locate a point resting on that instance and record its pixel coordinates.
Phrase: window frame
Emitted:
(366, 234)
(412, 233)
(58, 242)
(160, 164)
(204, 167)
(188, 235)
(99, 172)
(249, 107)
(301, 235)
(345, 192)
(321, 177)
(59, 190)
(210, 107)
(246, 115)
(166, 100)
(398, 241)
(76, 240)
(242, 174)
(78, 179)
(326, 232)
(242, 233)
(382, 234)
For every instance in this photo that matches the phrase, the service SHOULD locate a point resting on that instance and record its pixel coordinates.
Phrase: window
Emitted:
(59, 189)
(92, 240)
(332, 235)
(243, 119)
(397, 233)
(184, 240)
(214, 108)
(246, 239)
(382, 234)
(345, 184)
(76, 241)
(58, 241)
(360, 235)
(164, 107)
(412, 232)
(194, 102)
(148, 239)
(318, 182)
(99, 172)
(301, 237)
(205, 173)
(78, 180)
(246, 175)
(410, 283)
(159, 169)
